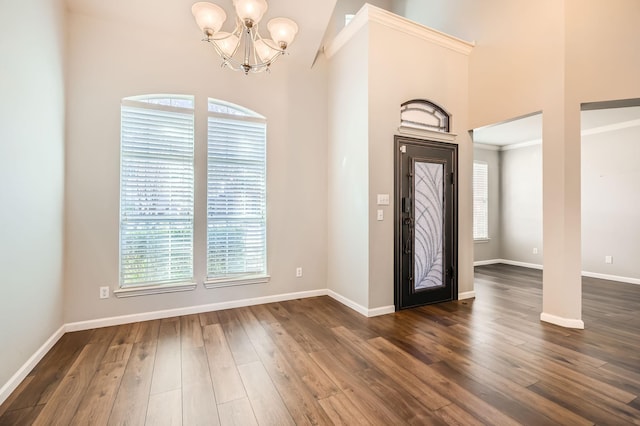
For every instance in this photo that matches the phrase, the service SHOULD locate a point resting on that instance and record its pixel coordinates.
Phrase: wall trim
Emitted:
(26, 368)
(467, 295)
(628, 280)
(598, 275)
(562, 322)
(486, 262)
(190, 310)
(486, 146)
(520, 145)
(369, 13)
(383, 310)
(507, 262)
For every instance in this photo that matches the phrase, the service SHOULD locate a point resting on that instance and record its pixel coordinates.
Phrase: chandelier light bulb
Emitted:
(264, 50)
(283, 31)
(227, 43)
(209, 17)
(250, 11)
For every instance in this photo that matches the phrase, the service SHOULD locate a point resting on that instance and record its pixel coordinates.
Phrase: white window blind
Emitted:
(156, 190)
(480, 200)
(236, 193)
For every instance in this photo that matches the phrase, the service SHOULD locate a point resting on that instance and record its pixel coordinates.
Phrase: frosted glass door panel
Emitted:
(428, 217)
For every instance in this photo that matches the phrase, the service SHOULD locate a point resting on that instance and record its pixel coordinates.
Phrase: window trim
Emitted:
(145, 290)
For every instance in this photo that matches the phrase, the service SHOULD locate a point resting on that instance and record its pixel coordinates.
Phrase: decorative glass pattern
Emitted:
(428, 214)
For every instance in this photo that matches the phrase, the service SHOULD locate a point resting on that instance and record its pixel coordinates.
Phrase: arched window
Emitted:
(424, 115)
(156, 190)
(236, 195)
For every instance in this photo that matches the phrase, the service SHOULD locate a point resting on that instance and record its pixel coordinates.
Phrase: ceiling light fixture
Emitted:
(244, 49)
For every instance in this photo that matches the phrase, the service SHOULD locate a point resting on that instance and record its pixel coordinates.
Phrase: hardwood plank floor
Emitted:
(485, 361)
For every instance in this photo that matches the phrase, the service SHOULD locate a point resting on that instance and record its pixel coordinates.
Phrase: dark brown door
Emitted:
(425, 222)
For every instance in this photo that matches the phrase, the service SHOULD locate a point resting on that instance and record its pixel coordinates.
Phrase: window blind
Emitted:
(236, 197)
(156, 193)
(480, 200)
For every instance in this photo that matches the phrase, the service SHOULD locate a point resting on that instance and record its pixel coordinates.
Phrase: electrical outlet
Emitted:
(608, 259)
(104, 292)
(535, 250)
(299, 271)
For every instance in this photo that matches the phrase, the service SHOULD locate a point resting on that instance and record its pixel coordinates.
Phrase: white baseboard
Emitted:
(466, 295)
(522, 264)
(26, 368)
(507, 262)
(168, 313)
(486, 262)
(562, 322)
(383, 310)
(359, 308)
(536, 266)
(611, 277)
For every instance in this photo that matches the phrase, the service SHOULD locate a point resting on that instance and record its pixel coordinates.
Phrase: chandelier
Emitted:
(244, 49)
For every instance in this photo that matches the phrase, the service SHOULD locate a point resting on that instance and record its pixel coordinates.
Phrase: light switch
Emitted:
(380, 214)
(383, 199)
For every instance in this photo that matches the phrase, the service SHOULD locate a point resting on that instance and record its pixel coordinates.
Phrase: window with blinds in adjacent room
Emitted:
(480, 201)
(156, 190)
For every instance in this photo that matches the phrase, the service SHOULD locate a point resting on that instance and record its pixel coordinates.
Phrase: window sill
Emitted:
(482, 240)
(244, 280)
(154, 289)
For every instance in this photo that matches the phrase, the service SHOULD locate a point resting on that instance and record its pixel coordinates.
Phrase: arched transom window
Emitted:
(424, 115)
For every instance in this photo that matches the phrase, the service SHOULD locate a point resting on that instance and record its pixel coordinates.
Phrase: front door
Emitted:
(425, 222)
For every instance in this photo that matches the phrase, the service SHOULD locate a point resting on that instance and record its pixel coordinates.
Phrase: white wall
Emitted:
(611, 202)
(521, 204)
(134, 60)
(489, 250)
(31, 178)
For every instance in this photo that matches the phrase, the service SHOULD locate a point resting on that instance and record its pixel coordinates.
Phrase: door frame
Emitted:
(397, 216)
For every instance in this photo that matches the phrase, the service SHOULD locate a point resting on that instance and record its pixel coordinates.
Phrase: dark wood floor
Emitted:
(313, 361)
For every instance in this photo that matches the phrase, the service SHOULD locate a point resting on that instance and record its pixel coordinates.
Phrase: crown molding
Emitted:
(611, 127)
(487, 147)
(369, 13)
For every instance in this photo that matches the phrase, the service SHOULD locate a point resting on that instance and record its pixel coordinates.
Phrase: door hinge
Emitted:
(453, 178)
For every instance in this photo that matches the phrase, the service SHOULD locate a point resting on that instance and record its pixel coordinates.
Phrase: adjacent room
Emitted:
(214, 213)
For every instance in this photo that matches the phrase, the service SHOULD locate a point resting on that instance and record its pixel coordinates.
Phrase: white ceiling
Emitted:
(174, 17)
(529, 129)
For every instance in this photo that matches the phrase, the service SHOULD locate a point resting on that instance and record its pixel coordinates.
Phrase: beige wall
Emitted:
(31, 178)
(440, 75)
(366, 119)
(348, 172)
(552, 56)
(101, 71)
